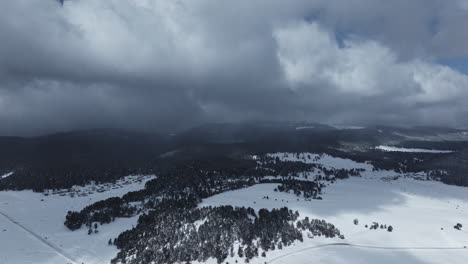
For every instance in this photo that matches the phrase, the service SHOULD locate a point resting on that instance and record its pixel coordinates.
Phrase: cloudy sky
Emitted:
(154, 64)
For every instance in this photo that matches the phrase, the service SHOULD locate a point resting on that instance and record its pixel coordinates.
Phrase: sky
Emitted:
(172, 64)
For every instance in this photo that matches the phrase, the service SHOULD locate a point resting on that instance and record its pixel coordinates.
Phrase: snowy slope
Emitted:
(35, 223)
(418, 211)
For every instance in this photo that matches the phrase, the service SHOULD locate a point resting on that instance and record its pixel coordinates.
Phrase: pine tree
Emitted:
(240, 252)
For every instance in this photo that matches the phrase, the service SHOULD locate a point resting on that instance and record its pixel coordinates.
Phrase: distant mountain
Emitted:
(77, 157)
(90, 148)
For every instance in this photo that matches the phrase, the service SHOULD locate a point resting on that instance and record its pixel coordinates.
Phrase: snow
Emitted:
(6, 175)
(323, 159)
(415, 150)
(330, 162)
(24, 249)
(463, 136)
(169, 153)
(339, 127)
(416, 209)
(27, 220)
(346, 127)
(305, 127)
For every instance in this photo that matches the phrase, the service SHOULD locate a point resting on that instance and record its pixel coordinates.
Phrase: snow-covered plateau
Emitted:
(422, 213)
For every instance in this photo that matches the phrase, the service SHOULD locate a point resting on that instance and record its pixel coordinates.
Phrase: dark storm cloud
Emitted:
(160, 64)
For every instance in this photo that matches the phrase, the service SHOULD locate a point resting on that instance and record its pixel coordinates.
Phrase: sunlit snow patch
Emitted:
(6, 175)
(323, 159)
(415, 150)
(346, 127)
(305, 127)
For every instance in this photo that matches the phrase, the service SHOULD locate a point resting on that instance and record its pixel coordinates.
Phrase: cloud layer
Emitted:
(168, 64)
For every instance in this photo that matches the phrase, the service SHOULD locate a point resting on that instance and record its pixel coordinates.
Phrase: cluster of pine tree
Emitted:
(173, 229)
(276, 167)
(102, 211)
(175, 235)
(308, 189)
(193, 181)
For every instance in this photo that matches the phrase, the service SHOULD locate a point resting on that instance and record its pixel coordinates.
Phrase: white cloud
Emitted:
(141, 37)
(310, 56)
(463, 4)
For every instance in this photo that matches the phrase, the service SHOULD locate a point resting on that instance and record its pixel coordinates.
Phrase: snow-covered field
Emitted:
(32, 229)
(416, 209)
(423, 214)
(414, 150)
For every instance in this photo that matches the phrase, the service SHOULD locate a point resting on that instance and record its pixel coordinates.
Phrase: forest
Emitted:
(169, 210)
(173, 234)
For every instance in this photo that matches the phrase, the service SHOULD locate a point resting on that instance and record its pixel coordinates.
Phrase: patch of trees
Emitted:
(182, 185)
(307, 189)
(318, 227)
(275, 167)
(174, 235)
(377, 226)
(102, 211)
(191, 182)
